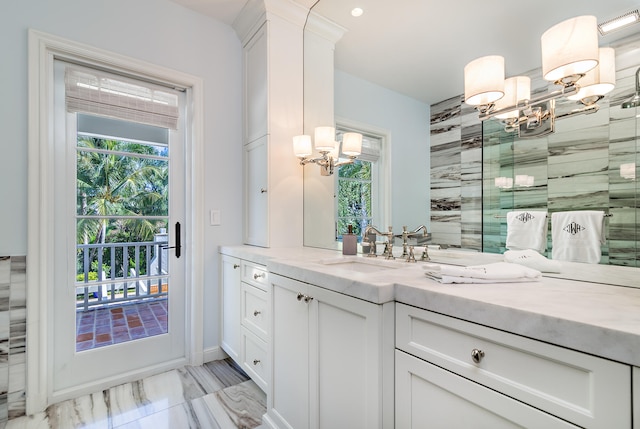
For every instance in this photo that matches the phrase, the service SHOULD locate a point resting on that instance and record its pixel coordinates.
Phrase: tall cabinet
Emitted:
(271, 34)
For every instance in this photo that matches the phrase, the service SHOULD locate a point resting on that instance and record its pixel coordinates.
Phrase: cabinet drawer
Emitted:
(583, 389)
(255, 358)
(255, 310)
(254, 274)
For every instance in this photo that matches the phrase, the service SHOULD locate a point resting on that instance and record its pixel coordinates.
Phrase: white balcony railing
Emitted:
(112, 273)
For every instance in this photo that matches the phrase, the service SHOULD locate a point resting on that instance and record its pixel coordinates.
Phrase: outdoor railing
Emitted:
(120, 272)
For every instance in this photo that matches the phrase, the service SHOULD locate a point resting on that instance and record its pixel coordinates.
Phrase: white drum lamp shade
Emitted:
(600, 80)
(325, 139)
(352, 144)
(570, 48)
(302, 146)
(516, 89)
(484, 80)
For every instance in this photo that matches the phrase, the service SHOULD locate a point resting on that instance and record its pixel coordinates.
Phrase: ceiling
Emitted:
(420, 47)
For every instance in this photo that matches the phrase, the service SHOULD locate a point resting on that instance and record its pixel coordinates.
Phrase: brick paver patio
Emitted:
(117, 324)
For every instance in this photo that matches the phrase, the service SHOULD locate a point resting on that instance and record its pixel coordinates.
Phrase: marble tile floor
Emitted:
(217, 395)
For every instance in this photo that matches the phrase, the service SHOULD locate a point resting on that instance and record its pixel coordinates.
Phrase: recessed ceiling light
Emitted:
(357, 11)
(619, 22)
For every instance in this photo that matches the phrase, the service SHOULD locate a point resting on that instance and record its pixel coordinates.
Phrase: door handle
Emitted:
(178, 245)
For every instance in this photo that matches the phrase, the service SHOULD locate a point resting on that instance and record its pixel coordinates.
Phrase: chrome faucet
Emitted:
(388, 246)
(406, 251)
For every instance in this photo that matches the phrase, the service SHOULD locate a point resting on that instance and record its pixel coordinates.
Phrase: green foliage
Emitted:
(354, 197)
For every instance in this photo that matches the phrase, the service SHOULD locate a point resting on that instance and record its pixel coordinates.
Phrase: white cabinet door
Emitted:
(256, 85)
(327, 359)
(345, 342)
(288, 404)
(231, 307)
(428, 396)
(256, 193)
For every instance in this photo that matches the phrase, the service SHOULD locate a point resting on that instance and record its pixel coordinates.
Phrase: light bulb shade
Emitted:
(601, 80)
(484, 80)
(302, 146)
(325, 139)
(352, 144)
(570, 48)
(516, 89)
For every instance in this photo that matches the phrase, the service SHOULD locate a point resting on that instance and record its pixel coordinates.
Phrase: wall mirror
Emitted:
(365, 102)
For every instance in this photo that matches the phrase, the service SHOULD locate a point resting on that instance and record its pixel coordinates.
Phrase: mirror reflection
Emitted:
(433, 170)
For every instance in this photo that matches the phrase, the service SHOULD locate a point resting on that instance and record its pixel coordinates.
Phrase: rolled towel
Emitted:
(532, 259)
(498, 272)
(527, 230)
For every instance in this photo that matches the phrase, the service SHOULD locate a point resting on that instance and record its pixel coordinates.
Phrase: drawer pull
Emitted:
(477, 355)
(236, 266)
(300, 296)
(256, 276)
(256, 313)
(256, 361)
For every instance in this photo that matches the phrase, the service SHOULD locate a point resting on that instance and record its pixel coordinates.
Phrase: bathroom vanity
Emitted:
(368, 343)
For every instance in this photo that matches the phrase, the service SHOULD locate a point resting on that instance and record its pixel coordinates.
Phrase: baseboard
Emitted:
(214, 353)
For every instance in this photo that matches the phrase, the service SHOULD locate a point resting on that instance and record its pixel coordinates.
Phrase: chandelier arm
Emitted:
(565, 91)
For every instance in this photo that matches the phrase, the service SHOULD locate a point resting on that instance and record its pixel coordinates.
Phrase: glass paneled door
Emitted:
(118, 301)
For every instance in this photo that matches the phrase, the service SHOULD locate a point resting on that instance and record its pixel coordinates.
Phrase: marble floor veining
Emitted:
(216, 395)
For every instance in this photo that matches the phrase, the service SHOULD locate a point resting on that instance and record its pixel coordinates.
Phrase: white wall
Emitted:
(407, 121)
(155, 31)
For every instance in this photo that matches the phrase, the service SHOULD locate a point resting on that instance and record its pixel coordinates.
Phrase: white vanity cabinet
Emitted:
(329, 359)
(245, 316)
(230, 281)
(452, 373)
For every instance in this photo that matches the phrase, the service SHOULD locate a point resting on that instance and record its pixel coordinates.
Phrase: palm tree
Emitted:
(112, 183)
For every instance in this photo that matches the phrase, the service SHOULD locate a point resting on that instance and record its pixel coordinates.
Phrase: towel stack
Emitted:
(578, 235)
(527, 230)
(532, 259)
(498, 272)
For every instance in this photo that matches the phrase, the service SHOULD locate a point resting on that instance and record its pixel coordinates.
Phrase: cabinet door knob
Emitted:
(300, 296)
(256, 312)
(236, 266)
(256, 361)
(256, 276)
(263, 190)
(477, 355)
(307, 298)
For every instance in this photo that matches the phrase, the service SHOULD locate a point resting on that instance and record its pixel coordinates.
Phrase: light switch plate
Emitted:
(214, 217)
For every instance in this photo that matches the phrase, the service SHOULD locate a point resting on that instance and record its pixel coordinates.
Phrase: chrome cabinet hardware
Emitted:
(263, 190)
(256, 313)
(236, 266)
(302, 296)
(477, 355)
(256, 361)
(256, 276)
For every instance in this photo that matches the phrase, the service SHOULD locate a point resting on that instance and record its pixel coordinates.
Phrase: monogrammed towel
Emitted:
(577, 235)
(527, 230)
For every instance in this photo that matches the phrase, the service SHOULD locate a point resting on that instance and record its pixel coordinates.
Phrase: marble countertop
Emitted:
(594, 318)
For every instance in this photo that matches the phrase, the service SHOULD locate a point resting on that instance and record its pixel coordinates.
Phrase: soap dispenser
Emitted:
(349, 243)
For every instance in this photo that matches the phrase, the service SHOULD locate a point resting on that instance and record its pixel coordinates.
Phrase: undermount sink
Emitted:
(361, 264)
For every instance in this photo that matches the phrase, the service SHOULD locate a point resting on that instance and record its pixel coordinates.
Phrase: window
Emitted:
(358, 187)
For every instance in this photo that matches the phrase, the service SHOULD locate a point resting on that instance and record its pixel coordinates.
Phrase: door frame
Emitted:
(43, 48)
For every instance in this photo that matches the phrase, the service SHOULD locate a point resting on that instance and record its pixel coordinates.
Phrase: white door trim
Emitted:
(43, 48)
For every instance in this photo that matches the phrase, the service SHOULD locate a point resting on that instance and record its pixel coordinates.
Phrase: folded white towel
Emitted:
(527, 230)
(498, 272)
(577, 235)
(532, 259)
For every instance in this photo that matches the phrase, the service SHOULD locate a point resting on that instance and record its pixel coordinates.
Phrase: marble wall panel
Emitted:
(13, 322)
